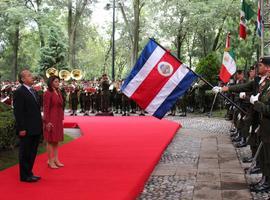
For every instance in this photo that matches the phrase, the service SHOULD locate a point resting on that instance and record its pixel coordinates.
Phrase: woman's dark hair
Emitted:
(50, 81)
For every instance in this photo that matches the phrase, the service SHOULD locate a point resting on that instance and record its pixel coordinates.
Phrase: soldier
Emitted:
(125, 105)
(82, 100)
(239, 116)
(261, 100)
(87, 102)
(200, 96)
(183, 105)
(105, 93)
(118, 98)
(74, 101)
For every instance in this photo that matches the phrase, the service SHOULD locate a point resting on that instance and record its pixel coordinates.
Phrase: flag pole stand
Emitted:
(211, 110)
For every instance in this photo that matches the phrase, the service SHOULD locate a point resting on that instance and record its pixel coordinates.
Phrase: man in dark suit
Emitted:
(28, 124)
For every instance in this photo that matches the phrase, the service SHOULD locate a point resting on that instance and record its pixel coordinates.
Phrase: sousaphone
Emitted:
(51, 72)
(76, 74)
(64, 74)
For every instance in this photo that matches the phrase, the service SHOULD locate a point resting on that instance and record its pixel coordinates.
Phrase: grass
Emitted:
(219, 113)
(10, 158)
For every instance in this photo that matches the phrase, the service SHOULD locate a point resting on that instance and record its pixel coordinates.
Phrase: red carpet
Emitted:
(111, 161)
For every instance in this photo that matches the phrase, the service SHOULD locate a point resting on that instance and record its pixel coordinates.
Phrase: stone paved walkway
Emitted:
(200, 163)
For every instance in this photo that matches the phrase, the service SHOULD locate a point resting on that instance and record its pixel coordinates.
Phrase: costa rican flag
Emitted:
(157, 80)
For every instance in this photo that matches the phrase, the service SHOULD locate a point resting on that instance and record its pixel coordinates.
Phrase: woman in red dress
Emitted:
(53, 121)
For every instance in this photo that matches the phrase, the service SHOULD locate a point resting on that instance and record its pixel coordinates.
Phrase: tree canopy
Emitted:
(61, 33)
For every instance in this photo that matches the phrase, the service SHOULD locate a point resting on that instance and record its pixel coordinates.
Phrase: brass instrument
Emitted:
(65, 75)
(76, 74)
(51, 72)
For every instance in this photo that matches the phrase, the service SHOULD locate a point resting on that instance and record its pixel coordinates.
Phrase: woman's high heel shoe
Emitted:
(52, 165)
(58, 164)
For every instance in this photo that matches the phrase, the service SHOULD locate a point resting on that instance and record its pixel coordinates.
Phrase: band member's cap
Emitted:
(265, 60)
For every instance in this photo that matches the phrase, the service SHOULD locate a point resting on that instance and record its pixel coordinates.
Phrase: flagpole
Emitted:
(203, 79)
(262, 28)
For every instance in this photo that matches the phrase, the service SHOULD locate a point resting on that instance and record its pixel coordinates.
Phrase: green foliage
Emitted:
(7, 131)
(209, 67)
(54, 54)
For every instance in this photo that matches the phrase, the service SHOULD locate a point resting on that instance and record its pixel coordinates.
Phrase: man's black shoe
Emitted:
(183, 115)
(36, 177)
(247, 160)
(29, 180)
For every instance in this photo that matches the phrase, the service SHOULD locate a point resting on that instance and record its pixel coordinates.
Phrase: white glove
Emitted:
(217, 89)
(253, 98)
(242, 95)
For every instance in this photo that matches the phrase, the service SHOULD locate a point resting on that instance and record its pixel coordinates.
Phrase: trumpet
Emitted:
(76, 74)
(51, 72)
(65, 75)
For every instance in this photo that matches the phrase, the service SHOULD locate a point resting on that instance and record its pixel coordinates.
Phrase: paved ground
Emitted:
(200, 163)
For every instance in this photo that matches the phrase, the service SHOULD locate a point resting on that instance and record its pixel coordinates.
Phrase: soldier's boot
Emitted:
(237, 138)
(242, 143)
(247, 159)
(261, 182)
(184, 114)
(265, 187)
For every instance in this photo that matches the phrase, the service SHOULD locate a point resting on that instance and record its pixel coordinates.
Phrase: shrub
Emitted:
(8, 138)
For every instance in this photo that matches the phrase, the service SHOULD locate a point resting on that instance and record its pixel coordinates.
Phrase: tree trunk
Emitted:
(69, 33)
(73, 50)
(135, 44)
(15, 52)
(40, 29)
(73, 21)
(215, 45)
(41, 34)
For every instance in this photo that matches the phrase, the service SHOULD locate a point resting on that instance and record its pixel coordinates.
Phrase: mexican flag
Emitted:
(246, 14)
(228, 67)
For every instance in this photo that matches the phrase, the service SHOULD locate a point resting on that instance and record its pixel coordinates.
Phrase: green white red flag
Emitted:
(246, 14)
(228, 67)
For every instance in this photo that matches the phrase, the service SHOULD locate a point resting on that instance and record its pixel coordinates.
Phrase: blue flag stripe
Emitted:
(176, 94)
(146, 53)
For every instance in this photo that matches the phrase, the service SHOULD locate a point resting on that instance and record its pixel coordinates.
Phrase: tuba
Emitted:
(76, 74)
(51, 72)
(64, 74)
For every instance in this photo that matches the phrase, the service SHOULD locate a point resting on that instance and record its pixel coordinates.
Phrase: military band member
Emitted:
(74, 101)
(105, 93)
(82, 99)
(87, 102)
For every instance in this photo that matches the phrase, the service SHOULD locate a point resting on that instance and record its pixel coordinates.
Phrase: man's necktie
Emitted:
(33, 93)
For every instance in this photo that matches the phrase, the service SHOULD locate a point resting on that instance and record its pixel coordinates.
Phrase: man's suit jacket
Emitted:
(27, 112)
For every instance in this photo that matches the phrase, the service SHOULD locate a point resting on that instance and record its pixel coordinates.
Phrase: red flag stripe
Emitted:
(242, 31)
(224, 74)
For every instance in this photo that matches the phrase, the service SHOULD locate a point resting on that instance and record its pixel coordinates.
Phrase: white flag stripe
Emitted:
(167, 89)
(144, 72)
(229, 63)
